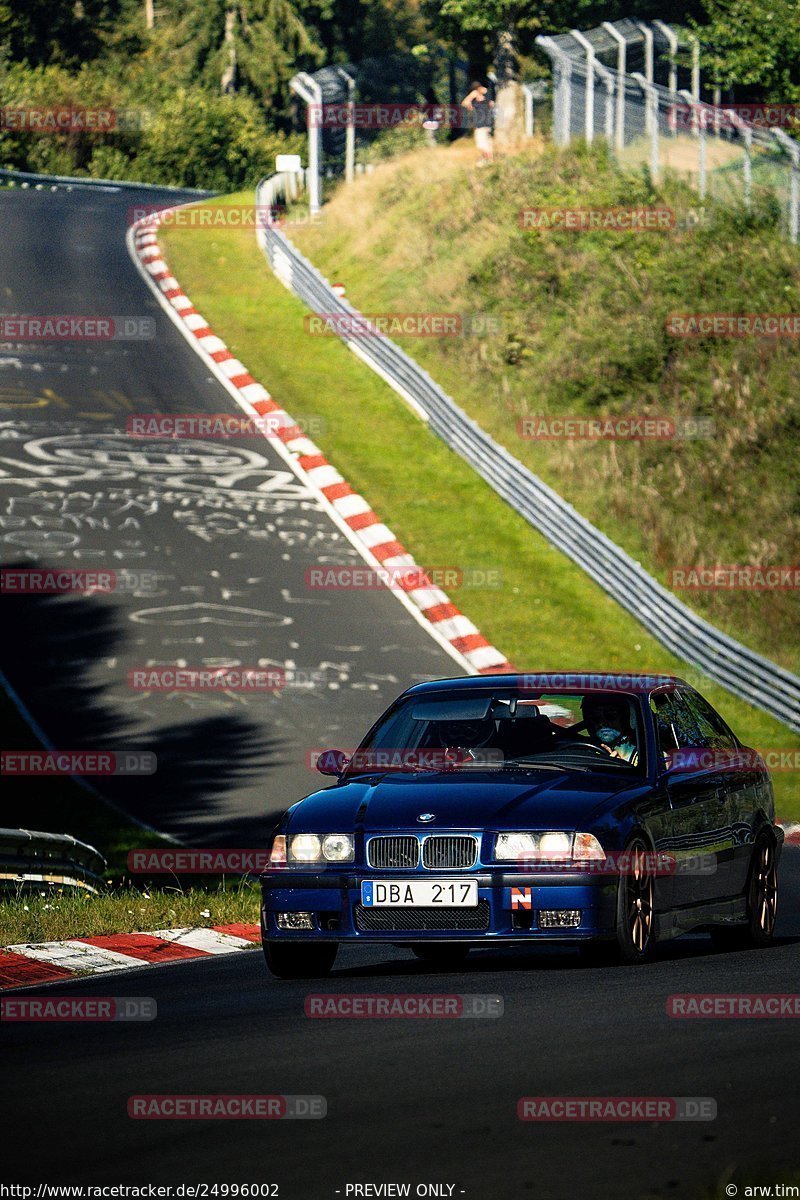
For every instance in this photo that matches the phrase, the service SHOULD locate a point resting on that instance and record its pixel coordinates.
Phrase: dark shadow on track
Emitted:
(49, 645)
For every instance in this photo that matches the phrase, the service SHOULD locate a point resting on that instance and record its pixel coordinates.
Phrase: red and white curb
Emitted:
(26, 965)
(351, 512)
(792, 834)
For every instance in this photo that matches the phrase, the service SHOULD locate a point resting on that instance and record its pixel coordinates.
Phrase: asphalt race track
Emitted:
(420, 1101)
(227, 529)
(408, 1101)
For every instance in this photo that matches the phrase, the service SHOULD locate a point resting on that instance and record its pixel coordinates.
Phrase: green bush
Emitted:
(190, 137)
(198, 139)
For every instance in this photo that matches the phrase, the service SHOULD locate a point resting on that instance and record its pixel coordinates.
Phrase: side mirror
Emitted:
(332, 762)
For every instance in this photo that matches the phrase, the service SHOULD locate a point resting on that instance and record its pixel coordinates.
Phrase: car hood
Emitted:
(462, 800)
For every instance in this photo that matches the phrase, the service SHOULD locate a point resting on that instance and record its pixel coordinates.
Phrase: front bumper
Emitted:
(510, 904)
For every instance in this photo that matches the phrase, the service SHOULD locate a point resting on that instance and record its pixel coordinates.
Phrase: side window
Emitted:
(713, 730)
(675, 725)
(666, 740)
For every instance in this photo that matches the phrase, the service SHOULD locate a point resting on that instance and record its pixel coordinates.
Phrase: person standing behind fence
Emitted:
(480, 107)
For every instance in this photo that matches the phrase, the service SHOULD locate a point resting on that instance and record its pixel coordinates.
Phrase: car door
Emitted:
(742, 779)
(700, 826)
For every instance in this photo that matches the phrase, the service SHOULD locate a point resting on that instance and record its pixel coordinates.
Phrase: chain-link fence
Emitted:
(628, 83)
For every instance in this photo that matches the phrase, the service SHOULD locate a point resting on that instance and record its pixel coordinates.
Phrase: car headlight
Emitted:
(315, 848)
(338, 847)
(510, 847)
(554, 844)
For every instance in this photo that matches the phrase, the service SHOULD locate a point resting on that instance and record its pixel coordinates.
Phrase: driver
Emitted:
(608, 723)
(466, 736)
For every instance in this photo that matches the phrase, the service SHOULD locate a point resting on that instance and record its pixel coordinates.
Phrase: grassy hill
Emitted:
(583, 334)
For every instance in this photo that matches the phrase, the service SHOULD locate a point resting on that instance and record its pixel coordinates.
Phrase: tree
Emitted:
(245, 45)
(753, 44)
(54, 31)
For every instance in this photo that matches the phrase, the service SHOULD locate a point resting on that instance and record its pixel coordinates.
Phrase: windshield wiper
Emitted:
(543, 763)
(536, 763)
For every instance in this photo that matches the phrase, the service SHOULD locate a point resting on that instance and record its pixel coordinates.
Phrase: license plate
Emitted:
(420, 893)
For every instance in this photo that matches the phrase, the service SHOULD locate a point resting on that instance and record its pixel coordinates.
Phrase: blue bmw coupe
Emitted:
(605, 811)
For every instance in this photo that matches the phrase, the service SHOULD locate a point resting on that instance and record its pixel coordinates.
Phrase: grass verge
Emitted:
(546, 615)
(55, 916)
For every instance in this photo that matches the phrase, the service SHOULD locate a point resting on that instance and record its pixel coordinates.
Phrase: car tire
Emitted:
(636, 918)
(292, 960)
(442, 955)
(762, 903)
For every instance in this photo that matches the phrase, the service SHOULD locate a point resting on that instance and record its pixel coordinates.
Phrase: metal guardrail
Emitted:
(32, 178)
(30, 858)
(748, 675)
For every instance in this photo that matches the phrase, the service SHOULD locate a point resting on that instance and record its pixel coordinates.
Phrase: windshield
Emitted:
(506, 728)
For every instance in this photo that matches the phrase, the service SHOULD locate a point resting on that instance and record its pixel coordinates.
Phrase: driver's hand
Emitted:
(611, 750)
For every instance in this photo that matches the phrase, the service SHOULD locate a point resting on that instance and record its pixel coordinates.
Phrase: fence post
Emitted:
(608, 80)
(793, 149)
(695, 42)
(651, 100)
(527, 92)
(590, 70)
(648, 64)
(621, 49)
(309, 90)
(564, 99)
(672, 39)
(699, 130)
(747, 167)
(350, 132)
(562, 91)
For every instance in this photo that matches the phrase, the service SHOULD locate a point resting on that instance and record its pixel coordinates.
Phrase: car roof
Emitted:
(568, 682)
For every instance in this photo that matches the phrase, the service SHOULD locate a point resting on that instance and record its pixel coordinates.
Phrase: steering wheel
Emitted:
(579, 744)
